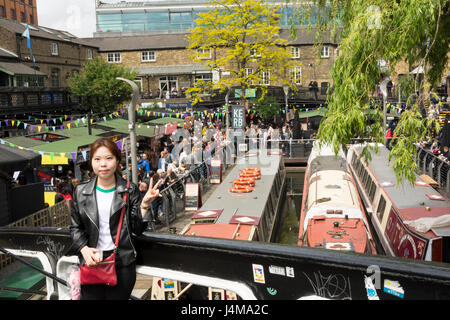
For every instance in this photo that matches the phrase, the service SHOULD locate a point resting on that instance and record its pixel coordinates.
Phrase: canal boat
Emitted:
(411, 220)
(332, 215)
(255, 202)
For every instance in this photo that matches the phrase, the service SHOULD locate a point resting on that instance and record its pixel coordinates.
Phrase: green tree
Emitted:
(98, 87)
(415, 31)
(241, 37)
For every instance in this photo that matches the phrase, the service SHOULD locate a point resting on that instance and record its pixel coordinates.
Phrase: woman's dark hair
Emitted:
(111, 146)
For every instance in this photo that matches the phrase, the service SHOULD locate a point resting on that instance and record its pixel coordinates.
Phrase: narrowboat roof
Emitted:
(222, 231)
(404, 195)
(247, 207)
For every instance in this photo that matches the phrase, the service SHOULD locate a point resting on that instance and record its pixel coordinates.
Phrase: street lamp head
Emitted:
(286, 89)
(383, 86)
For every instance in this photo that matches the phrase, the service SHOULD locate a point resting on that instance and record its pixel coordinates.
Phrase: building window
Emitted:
(207, 77)
(55, 77)
(323, 87)
(296, 75)
(12, 14)
(2, 12)
(266, 78)
(54, 49)
(147, 56)
(89, 54)
(325, 52)
(23, 18)
(204, 53)
(295, 53)
(114, 57)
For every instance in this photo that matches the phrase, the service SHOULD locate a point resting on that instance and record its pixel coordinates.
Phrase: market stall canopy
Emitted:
(12, 159)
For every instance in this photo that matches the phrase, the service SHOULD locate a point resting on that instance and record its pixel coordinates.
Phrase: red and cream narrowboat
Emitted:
(332, 215)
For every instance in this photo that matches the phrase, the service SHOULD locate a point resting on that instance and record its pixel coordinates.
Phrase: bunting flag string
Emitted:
(46, 125)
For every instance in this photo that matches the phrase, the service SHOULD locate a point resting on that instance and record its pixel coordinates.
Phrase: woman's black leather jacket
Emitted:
(84, 226)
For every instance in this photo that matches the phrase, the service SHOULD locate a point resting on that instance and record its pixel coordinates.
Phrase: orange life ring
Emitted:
(245, 189)
(250, 175)
(245, 181)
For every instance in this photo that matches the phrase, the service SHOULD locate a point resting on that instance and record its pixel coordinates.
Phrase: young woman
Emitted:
(96, 210)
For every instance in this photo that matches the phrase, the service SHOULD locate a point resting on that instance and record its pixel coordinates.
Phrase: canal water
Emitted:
(289, 219)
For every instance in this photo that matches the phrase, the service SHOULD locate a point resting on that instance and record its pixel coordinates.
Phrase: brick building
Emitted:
(163, 61)
(19, 10)
(58, 54)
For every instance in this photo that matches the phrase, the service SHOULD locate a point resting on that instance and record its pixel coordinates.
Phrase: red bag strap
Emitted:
(121, 217)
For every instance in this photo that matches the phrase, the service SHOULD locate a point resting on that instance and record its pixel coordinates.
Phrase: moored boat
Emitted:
(411, 220)
(332, 215)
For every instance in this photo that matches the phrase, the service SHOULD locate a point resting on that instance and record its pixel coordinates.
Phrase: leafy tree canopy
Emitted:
(98, 87)
(412, 31)
(242, 37)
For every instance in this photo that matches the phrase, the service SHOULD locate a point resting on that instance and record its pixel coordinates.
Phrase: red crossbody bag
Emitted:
(104, 272)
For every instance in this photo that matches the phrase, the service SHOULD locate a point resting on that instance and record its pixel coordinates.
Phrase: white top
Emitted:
(104, 202)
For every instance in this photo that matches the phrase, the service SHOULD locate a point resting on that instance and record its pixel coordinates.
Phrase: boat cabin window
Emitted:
(372, 189)
(381, 208)
(364, 177)
(354, 159)
(360, 168)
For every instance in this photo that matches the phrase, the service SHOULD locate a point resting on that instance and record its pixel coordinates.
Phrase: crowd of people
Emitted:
(436, 148)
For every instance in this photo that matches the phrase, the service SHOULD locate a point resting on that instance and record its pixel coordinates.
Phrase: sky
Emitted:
(74, 16)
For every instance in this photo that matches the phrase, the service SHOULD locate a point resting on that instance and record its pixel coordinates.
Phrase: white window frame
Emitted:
(114, 57)
(295, 52)
(325, 53)
(205, 77)
(54, 49)
(204, 53)
(148, 55)
(265, 77)
(90, 54)
(295, 75)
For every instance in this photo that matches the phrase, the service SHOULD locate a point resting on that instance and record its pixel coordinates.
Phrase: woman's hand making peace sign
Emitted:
(150, 196)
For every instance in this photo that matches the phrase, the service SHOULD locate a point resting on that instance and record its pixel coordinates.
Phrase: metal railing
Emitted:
(434, 167)
(173, 196)
(36, 99)
(57, 215)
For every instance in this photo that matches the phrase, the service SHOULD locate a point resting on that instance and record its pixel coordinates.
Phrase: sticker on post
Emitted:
(277, 270)
(258, 273)
(394, 288)
(370, 288)
(290, 272)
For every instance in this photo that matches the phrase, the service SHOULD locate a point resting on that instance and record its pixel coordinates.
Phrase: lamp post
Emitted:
(286, 92)
(383, 88)
(132, 127)
(227, 97)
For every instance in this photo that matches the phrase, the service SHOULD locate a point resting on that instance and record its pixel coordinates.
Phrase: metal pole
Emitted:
(132, 127)
(383, 87)
(227, 97)
(286, 93)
